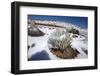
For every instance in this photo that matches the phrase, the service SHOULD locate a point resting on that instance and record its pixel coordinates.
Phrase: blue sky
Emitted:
(80, 21)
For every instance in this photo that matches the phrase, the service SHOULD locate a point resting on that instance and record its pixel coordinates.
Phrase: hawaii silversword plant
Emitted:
(60, 39)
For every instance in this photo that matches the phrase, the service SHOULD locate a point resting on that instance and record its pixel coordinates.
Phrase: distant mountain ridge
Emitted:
(60, 25)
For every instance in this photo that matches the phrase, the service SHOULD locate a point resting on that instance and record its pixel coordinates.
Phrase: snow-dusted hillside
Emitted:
(41, 49)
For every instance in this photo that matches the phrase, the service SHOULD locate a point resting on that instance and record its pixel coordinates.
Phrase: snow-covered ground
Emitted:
(40, 42)
(80, 45)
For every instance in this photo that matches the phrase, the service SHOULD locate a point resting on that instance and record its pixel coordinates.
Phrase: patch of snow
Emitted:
(78, 43)
(40, 43)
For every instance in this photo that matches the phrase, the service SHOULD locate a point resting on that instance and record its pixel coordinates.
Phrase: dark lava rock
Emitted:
(74, 36)
(86, 51)
(33, 45)
(28, 47)
(74, 31)
(35, 32)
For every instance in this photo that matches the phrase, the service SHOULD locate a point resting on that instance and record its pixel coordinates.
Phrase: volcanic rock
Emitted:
(74, 31)
(34, 31)
(68, 53)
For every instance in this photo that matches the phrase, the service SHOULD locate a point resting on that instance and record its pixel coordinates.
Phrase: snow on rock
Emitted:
(78, 43)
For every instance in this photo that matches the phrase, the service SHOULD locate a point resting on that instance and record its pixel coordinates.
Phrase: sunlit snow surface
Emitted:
(41, 47)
